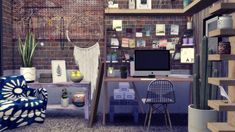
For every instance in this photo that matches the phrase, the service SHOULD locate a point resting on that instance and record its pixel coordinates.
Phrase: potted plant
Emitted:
(27, 51)
(199, 113)
(64, 98)
(123, 71)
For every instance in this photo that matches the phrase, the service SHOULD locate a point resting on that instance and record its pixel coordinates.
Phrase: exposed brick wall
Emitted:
(81, 19)
(139, 21)
(7, 47)
(50, 33)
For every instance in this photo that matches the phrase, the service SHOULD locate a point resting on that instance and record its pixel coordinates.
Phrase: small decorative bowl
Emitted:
(78, 99)
(76, 78)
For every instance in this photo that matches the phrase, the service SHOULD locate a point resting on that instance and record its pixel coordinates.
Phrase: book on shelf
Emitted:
(125, 42)
(132, 43)
(114, 43)
(139, 33)
(163, 43)
(140, 43)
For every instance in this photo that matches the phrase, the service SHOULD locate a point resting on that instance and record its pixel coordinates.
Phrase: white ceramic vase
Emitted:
(64, 102)
(29, 73)
(198, 119)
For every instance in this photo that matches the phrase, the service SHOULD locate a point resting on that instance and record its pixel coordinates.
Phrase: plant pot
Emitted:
(64, 102)
(123, 74)
(29, 73)
(224, 48)
(186, 3)
(198, 119)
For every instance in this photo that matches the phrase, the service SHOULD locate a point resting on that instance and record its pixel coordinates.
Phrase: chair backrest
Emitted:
(161, 91)
(12, 87)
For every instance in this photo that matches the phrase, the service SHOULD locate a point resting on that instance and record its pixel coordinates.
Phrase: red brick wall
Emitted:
(89, 11)
(81, 19)
(7, 47)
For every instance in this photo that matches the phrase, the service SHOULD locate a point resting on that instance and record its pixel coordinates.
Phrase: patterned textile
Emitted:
(19, 104)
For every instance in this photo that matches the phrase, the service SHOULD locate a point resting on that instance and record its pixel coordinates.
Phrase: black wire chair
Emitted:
(160, 93)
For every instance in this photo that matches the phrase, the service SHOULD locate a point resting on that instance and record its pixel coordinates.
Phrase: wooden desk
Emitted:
(58, 87)
(132, 81)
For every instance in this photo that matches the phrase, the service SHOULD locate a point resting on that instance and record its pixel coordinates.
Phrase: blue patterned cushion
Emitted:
(12, 87)
(21, 106)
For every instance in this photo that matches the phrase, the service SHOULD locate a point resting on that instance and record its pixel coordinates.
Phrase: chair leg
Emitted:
(150, 116)
(168, 115)
(165, 115)
(147, 116)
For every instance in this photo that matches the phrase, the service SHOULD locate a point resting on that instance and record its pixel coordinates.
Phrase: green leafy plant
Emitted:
(64, 94)
(27, 49)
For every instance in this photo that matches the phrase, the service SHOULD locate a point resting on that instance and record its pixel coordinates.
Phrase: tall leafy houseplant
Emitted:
(27, 50)
(199, 113)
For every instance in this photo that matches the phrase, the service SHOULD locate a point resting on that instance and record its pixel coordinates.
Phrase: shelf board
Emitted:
(59, 107)
(222, 81)
(196, 6)
(144, 11)
(221, 105)
(222, 33)
(220, 57)
(222, 8)
(220, 127)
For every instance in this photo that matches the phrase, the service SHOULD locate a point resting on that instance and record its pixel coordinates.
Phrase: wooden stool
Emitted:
(133, 103)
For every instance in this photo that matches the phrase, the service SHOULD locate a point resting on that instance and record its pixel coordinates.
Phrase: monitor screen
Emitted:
(152, 60)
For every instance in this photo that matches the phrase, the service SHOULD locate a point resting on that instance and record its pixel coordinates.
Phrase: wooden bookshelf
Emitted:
(222, 8)
(222, 81)
(192, 8)
(220, 57)
(144, 11)
(222, 33)
(220, 127)
(196, 6)
(221, 105)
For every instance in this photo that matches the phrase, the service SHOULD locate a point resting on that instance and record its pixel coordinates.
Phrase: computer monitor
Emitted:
(150, 62)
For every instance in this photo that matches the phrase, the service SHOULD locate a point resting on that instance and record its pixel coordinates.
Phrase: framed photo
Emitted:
(174, 29)
(58, 71)
(187, 55)
(140, 43)
(160, 30)
(143, 4)
(117, 25)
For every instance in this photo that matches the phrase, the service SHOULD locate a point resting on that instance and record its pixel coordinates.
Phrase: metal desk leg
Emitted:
(105, 102)
(141, 105)
(87, 103)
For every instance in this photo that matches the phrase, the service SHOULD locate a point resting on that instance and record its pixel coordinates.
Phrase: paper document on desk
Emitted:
(224, 94)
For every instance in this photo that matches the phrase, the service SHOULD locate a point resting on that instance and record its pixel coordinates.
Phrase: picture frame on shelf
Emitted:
(174, 29)
(143, 4)
(117, 25)
(58, 68)
(131, 43)
(140, 42)
(187, 55)
(160, 30)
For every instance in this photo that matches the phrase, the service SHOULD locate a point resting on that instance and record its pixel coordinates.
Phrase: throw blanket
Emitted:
(88, 61)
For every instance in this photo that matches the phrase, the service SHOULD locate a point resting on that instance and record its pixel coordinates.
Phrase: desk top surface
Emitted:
(62, 83)
(137, 79)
